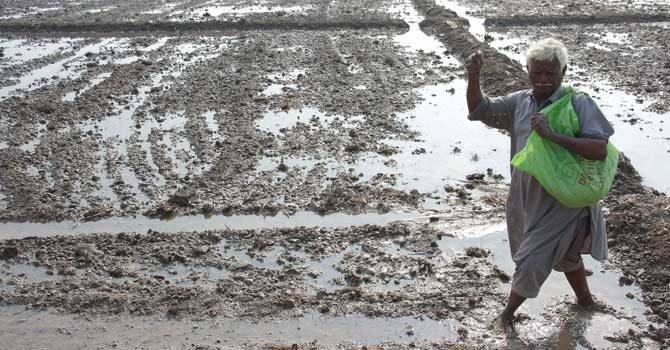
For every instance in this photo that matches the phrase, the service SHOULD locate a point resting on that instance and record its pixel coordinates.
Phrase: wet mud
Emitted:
(254, 273)
(203, 108)
(394, 271)
(167, 99)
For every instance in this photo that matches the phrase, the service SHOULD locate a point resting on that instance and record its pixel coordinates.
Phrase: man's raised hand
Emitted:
(474, 63)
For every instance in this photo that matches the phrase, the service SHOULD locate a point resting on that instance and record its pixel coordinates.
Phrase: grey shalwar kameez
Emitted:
(543, 234)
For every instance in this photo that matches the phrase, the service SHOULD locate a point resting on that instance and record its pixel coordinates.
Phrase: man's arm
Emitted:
(494, 112)
(473, 64)
(586, 147)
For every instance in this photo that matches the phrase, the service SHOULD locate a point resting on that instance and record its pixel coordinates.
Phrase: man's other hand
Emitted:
(539, 123)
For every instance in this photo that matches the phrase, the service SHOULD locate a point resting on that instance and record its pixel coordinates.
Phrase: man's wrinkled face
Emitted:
(545, 77)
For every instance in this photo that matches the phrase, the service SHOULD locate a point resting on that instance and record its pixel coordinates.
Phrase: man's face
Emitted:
(545, 77)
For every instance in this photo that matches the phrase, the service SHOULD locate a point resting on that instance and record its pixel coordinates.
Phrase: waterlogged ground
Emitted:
(405, 282)
(220, 174)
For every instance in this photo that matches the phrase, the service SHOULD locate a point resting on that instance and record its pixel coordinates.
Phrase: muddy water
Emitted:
(30, 329)
(197, 223)
(55, 71)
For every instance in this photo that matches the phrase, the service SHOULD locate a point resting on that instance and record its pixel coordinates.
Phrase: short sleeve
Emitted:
(496, 112)
(592, 122)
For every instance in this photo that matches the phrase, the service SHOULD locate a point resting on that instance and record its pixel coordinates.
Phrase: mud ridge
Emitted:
(586, 19)
(637, 226)
(453, 32)
(243, 24)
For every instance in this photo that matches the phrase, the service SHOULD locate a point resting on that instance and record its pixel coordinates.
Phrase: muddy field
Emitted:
(123, 115)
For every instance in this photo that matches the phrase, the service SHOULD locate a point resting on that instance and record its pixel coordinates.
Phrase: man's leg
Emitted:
(577, 280)
(503, 322)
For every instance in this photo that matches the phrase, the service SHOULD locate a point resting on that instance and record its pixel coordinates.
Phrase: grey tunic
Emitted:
(542, 232)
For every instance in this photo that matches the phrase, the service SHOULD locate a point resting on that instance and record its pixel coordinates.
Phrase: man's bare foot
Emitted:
(586, 300)
(503, 324)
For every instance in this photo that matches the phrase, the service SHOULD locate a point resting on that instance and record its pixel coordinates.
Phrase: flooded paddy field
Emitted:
(217, 174)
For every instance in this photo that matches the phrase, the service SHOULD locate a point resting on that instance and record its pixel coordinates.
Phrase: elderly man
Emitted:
(543, 234)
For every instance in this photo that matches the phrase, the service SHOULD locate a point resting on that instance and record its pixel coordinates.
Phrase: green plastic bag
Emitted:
(575, 181)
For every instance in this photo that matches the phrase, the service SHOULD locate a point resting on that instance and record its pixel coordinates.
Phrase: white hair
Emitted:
(548, 50)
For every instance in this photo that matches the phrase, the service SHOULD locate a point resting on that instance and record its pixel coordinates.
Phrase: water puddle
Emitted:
(18, 274)
(416, 40)
(636, 3)
(137, 52)
(278, 89)
(203, 51)
(448, 152)
(180, 275)
(120, 130)
(19, 51)
(582, 330)
(276, 122)
(164, 8)
(213, 126)
(33, 170)
(31, 11)
(155, 46)
(123, 129)
(281, 82)
(70, 68)
(3, 198)
(191, 223)
(287, 76)
(263, 260)
(105, 183)
(130, 179)
(71, 96)
(477, 27)
(324, 273)
(98, 10)
(305, 165)
(445, 156)
(179, 151)
(30, 146)
(26, 328)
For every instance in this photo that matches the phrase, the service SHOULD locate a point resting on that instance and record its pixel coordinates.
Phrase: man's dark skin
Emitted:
(544, 77)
